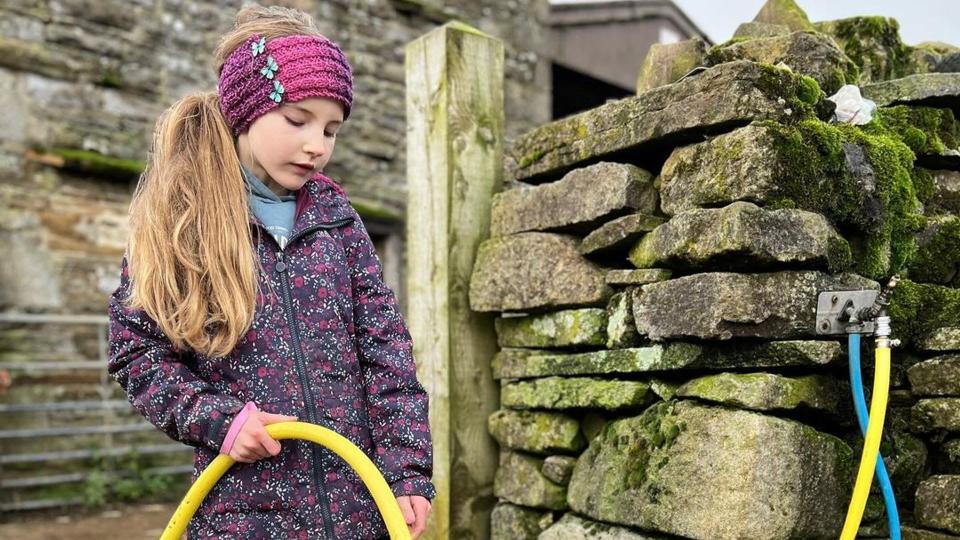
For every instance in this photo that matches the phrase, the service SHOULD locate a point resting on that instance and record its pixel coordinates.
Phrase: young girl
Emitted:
(250, 293)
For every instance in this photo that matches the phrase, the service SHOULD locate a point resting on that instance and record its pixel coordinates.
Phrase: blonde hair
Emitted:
(191, 258)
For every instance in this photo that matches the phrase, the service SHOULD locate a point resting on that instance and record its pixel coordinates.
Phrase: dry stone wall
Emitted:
(654, 266)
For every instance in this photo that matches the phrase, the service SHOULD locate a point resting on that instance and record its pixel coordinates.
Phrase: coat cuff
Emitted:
(218, 423)
(415, 485)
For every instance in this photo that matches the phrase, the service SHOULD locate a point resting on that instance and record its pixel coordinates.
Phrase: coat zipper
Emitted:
(281, 268)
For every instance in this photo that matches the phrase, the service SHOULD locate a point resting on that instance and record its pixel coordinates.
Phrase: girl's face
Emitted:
(298, 133)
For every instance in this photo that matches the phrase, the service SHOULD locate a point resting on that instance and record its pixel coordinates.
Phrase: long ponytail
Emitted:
(190, 254)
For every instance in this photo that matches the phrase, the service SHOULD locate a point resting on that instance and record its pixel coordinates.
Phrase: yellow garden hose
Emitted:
(871, 443)
(386, 502)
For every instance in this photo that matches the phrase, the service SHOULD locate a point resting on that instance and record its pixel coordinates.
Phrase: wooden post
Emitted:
(454, 80)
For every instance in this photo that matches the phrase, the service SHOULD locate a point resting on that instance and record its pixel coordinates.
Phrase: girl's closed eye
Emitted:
(293, 123)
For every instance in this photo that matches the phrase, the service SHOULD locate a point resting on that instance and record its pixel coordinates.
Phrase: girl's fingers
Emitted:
(421, 507)
(269, 418)
(268, 446)
(408, 516)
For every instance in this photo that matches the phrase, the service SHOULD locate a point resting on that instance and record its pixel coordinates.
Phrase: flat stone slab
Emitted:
(758, 163)
(721, 305)
(913, 533)
(641, 276)
(510, 522)
(941, 339)
(574, 527)
(558, 468)
(735, 92)
(618, 235)
(582, 200)
(743, 236)
(572, 393)
(930, 89)
(808, 53)
(536, 431)
(567, 328)
(518, 480)
(938, 503)
(938, 376)
(935, 414)
(767, 391)
(711, 472)
(745, 164)
(670, 357)
(535, 271)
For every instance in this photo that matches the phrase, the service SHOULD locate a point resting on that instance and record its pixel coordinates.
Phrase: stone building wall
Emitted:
(94, 76)
(655, 266)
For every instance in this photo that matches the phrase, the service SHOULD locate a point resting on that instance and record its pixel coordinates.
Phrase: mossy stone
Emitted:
(767, 391)
(537, 432)
(568, 328)
(710, 472)
(574, 393)
(518, 480)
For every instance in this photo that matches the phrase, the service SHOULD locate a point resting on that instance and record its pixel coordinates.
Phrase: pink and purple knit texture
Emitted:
(260, 75)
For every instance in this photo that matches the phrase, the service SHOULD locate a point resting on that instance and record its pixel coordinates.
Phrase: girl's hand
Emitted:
(415, 509)
(253, 442)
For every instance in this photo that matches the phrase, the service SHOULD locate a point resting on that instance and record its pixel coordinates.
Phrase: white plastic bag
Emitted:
(852, 108)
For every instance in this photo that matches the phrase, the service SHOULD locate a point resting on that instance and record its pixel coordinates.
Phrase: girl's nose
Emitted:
(314, 149)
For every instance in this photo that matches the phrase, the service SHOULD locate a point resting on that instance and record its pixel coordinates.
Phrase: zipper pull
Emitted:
(281, 266)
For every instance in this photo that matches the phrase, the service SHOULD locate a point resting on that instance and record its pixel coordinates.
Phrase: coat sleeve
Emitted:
(397, 403)
(158, 380)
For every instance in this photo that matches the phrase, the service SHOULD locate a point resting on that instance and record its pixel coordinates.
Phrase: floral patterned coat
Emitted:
(328, 345)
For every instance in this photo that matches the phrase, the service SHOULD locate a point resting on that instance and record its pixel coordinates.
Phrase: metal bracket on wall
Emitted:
(837, 312)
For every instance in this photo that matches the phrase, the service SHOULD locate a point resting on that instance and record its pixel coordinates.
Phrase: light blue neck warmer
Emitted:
(277, 213)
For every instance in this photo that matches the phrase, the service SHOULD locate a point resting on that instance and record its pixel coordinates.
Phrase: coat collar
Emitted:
(320, 201)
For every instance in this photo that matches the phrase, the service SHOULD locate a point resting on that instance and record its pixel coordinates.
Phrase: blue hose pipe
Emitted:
(863, 418)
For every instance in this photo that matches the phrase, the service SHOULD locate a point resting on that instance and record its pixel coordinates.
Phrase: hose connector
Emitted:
(883, 326)
(881, 303)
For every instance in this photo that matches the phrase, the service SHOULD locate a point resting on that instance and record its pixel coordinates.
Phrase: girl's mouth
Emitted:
(302, 169)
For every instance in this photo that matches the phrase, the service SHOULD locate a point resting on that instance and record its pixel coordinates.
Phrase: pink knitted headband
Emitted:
(260, 75)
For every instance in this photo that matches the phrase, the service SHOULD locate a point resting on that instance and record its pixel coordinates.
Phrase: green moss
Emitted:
(532, 158)
(918, 308)
(645, 441)
(938, 257)
(839, 256)
(924, 184)
(796, 90)
(97, 164)
(873, 43)
(926, 130)
(886, 216)
(809, 91)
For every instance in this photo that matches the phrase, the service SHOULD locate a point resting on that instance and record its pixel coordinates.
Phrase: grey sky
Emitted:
(920, 20)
